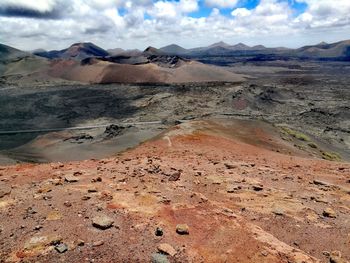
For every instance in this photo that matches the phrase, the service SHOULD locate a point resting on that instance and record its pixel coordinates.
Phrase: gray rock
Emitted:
(102, 222)
(61, 248)
(159, 258)
(71, 179)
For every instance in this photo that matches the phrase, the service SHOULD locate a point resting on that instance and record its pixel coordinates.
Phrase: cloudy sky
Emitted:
(56, 24)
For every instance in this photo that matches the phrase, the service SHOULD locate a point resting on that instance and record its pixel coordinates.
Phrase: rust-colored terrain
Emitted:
(204, 191)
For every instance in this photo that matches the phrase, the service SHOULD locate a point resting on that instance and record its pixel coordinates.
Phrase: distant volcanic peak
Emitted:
(241, 46)
(174, 49)
(88, 48)
(259, 47)
(220, 44)
(153, 51)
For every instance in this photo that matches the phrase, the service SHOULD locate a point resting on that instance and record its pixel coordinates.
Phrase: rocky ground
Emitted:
(255, 171)
(197, 193)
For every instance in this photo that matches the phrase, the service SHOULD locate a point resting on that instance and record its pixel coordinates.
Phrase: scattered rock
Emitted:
(38, 227)
(159, 258)
(67, 204)
(102, 222)
(61, 248)
(319, 182)
(233, 188)
(230, 165)
(97, 179)
(159, 232)
(182, 229)
(71, 179)
(98, 243)
(278, 211)
(175, 176)
(166, 249)
(92, 190)
(335, 257)
(80, 242)
(4, 190)
(257, 187)
(329, 212)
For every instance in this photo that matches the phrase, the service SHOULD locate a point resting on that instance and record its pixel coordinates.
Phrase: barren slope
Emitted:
(241, 200)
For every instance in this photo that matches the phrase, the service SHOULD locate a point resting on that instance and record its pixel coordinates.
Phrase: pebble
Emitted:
(182, 229)
(175, 176)
(4, 190)
(167, 249)
(329, 212)
(230, 166)
(71, 179)
(278, 211)
(98, 243)
(159, 232)
(102, 222)
(257, 187)
(61, 248)
(335, 257)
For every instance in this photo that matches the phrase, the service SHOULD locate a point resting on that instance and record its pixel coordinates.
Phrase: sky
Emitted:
(129, 24)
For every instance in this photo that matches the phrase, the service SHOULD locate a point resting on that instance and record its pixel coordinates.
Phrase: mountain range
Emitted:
(86, 62)
(322, 51)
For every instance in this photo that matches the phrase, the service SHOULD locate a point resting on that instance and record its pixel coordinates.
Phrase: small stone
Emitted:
(95, 180)
(166, 249)
(159, 232)
(92, 190)
(230, 165)
(278, 211)
(38, 227)
(4, 190)
(98, 243)
(159, 258)
(182, 229)
(80, 242)
(335, 257)
(71, 179)
(175, 176)
(329, 212)
(67, 204)
(326, 253)
(258, 187)
(102, 222)
(61, 248)
(233, 188)
(86, 197)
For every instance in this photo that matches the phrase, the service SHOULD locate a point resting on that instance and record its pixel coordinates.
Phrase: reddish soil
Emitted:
(242, 202)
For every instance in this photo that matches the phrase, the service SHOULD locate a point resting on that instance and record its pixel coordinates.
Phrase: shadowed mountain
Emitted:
(18, 63)
(77, 51)
(339, 50)
(174, 49)
(8, 53)
(152, 51)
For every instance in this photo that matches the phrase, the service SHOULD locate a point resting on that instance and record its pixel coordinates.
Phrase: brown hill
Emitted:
(100, 71)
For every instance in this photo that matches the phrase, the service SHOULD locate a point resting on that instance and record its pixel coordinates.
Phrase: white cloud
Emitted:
(139, 23)
(39, 5)
(241, 12)
(221, 3)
